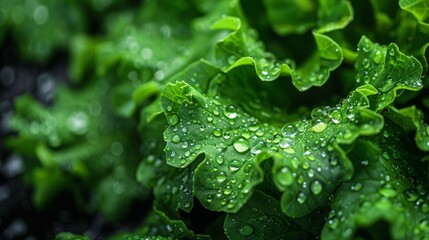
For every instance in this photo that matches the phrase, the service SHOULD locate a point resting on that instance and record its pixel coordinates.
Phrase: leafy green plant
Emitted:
(283, 119)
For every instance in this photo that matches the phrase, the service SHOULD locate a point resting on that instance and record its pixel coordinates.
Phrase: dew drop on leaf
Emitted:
(285, 177)
(365, 63)
(173, 119)
(241, 145)
(286, 142)
(301, 198)
(175, 139)
(319, 127)
(234, 165)
(289, 130)
(217, 132)
(230, 112)
(221, 177)
(377, 57)
(316, 187)
(356, 187)
(246, 230)
(391, 51)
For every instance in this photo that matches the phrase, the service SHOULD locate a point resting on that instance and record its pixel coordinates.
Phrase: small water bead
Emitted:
(234, 165)
(259, 133)
(377, 57)
(217, 132)
(246, 230)
(226, 135)
(319, 127)
(285, 177)
(228, 190)
(316, 187)
(241, 145)
(289, 131)
(365, 63)
(176, 139)
(301, 198)
(286, 142)
(231, 112)
(221, 177)
(391, 51)
(356, 187)
(387, 191)
(220, 160)
(173, 119)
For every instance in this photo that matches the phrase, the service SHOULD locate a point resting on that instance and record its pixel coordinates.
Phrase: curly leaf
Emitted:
(159, 226)
(411, 119)
(380, 192)
(234, 144)
(261, 218)
(419, 8)
(242, 48)
(388, 70)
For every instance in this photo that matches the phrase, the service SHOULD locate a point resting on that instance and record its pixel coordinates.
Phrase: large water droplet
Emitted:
(316, 187)
(241, 145)
(176, 139)
(286, 142)
(173, 119)
(365, 63)
(301, 198)
(377, 57)
(234, 165)
(246, 230)
(289, 130)
(217, 132)
(221, 177)
(285, 177)
(319, 127)
(231, 112)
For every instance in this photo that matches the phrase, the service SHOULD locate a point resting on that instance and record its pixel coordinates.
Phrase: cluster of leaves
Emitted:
(289, 119)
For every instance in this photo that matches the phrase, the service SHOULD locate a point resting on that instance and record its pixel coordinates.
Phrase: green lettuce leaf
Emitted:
(388, 70)
(384, 198)
(235, 143)
(261, 218)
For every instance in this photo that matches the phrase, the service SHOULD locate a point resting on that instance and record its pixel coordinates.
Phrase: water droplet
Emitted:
(246, 230)
(221, 177)
(217, 132)
(301, 198)
(173, 119)
(231, 112)
(241, 145)
(377, 57)
(391, 51)
(176, 139)
(286, 142)
(356, 187)
(234, 165)
(316, 187)
(284, 177)
(387, 191)
(411, 195)
(335, 116)
(246, 134)
(319, 127)
(289, 130)
(365, 63)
